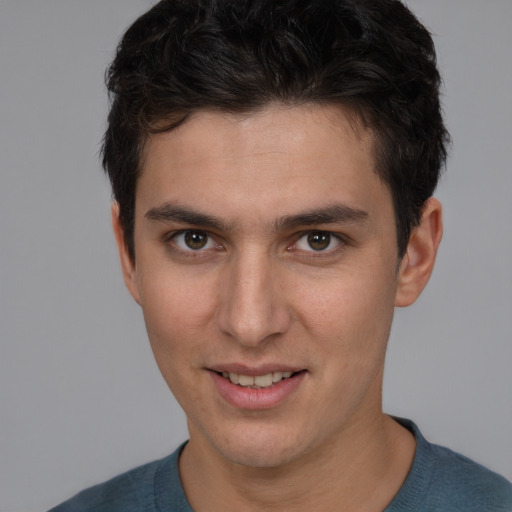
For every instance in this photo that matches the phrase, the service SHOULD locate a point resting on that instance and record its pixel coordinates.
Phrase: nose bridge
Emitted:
(252, 308)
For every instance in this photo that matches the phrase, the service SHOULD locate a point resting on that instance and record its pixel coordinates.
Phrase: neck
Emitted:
(361, 471)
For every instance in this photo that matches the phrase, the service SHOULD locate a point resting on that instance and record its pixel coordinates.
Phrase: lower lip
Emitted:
(254, 399)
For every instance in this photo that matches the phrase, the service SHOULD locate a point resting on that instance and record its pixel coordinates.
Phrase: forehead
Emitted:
(270, 162)
(276, 127)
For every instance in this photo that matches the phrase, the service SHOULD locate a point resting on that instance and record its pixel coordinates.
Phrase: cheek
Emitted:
(350, 327)
(350, 315)
(177, 312)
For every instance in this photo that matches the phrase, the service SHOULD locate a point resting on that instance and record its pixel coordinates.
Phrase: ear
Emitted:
(127, 264)
(418, 262)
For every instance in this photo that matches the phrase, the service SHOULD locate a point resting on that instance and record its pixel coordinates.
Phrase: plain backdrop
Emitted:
(81, 398)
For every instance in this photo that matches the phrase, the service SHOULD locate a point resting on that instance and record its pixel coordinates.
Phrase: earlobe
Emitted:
(127, 264)
(418, 261)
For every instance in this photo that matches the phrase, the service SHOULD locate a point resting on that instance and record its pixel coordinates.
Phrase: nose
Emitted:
(253, 306)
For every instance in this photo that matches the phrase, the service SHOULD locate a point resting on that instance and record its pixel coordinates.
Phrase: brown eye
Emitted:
(319, 240)
(195, 240)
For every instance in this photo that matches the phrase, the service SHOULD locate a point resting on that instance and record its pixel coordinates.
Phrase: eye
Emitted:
(317, 241)
(192, 240)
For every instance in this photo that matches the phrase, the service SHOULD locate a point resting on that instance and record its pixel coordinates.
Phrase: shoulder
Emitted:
(443, 480)
(127, 492)
(138, 489)
(468, 483)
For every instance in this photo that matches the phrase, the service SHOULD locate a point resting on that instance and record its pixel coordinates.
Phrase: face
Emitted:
(266, 268)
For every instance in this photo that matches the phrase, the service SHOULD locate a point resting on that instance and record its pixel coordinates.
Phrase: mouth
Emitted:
(260, 388)
(258, 381)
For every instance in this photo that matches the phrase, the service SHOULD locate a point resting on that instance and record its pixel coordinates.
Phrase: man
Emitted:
(273, 165)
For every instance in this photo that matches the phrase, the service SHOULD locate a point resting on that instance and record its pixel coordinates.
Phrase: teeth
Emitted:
(245, 380)
(277, 376)
(263, 381)
(260, 381)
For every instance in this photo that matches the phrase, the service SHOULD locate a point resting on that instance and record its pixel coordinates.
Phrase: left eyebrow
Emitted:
(334, 214)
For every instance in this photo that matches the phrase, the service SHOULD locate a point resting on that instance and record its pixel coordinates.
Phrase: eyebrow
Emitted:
(333, 214)
(174, 213)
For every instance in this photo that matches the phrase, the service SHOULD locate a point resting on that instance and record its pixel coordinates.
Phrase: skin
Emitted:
(258, 294)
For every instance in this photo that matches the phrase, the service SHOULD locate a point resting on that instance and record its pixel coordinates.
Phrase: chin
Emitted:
(259, 457)
(259, 448)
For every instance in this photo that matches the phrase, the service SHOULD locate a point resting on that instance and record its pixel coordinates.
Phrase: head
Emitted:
(273, 164)
(372, 57)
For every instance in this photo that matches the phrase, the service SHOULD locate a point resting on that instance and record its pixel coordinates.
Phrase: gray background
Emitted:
(80, 396)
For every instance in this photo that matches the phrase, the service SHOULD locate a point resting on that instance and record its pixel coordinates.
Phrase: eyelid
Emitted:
(341, 241)
(210, 244)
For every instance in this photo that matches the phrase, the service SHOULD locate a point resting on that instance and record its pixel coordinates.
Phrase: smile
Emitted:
(257, 388)
(258, 381)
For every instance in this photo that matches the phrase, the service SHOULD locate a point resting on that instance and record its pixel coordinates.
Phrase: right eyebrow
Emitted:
(173, 213)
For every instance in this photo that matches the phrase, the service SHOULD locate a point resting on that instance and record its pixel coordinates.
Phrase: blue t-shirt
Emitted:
(440, 480)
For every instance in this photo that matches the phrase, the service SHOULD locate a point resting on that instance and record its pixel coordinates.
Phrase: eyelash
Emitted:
(332, 237)
(172, 237)
(340, 241)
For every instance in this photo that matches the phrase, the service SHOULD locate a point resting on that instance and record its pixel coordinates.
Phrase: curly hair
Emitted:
(237, 56)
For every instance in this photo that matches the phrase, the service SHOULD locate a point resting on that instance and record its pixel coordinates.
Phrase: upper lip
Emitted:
(254, 371)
